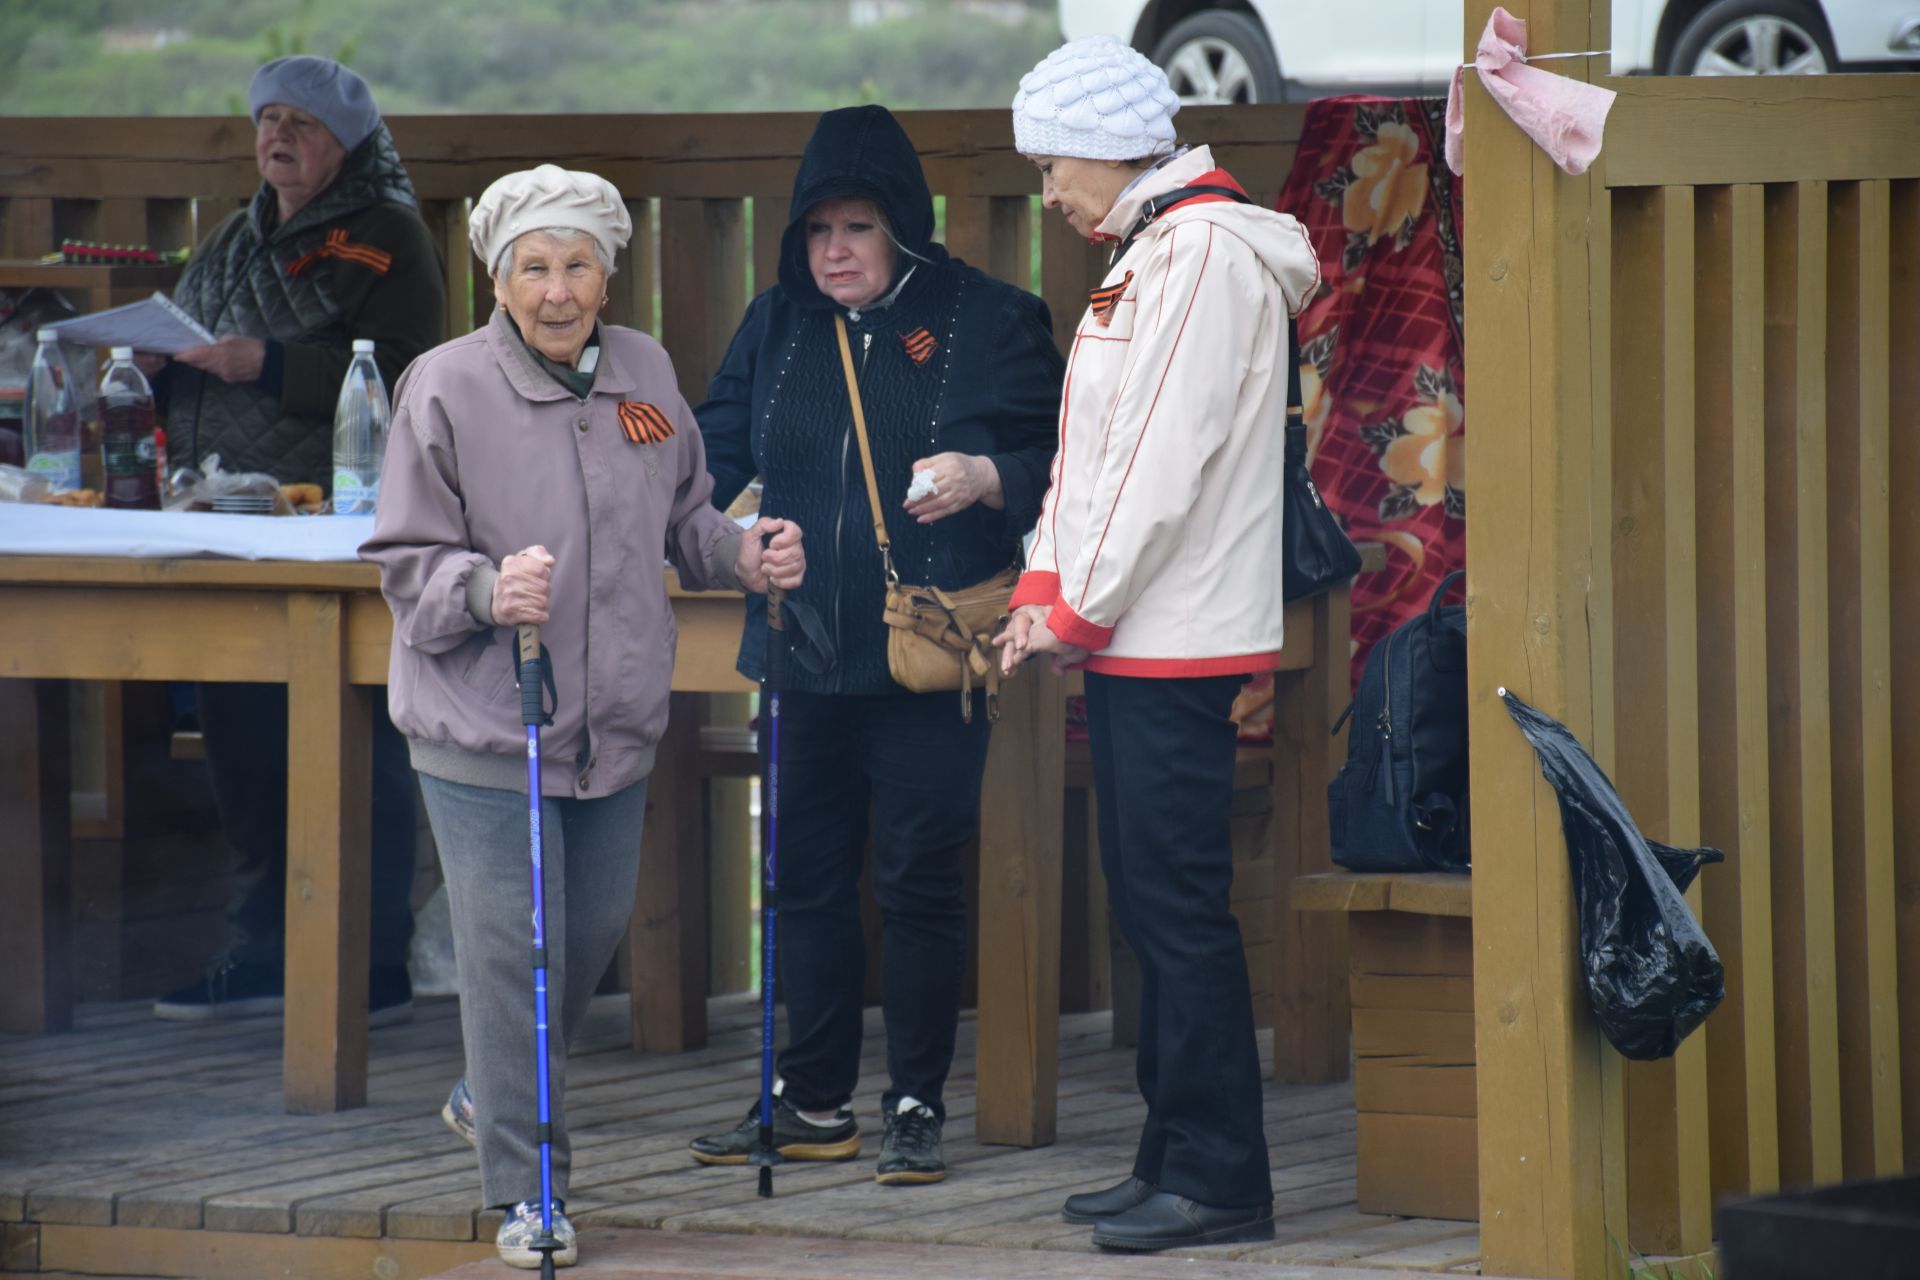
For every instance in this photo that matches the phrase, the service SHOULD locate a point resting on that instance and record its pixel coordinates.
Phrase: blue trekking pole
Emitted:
(764, 1155)
(534, 672)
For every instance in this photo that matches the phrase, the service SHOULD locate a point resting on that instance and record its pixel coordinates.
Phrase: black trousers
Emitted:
(911, 759)
(1163, 756)
(244, 729)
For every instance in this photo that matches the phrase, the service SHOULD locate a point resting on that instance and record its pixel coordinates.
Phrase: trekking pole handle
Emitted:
(776, 598)
(527, 664)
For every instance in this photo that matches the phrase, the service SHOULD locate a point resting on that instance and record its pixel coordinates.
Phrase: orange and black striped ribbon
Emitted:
(337, 245)
(920, 345)
(642, 423)
(1103, 300)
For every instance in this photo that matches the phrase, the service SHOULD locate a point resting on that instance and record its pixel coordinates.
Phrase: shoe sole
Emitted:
(264, 1007)
(909, 1178)
(529, 1259)
(1243, 1234)
(224, 1011)
(453, 1122)
(825, 1151)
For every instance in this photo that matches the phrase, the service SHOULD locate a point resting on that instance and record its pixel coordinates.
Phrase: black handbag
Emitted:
(1400, 801)
(1315, 551)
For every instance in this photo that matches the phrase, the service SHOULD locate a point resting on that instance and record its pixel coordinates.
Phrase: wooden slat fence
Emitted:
(708, 194)
(1697, 372)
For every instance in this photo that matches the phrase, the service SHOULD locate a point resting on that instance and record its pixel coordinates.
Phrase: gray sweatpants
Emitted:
(592, 852)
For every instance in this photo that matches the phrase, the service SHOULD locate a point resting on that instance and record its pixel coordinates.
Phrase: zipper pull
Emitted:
(1386, 757)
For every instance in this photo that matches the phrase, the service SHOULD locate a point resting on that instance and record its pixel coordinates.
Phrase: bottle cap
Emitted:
(363, 346)
(47, 335)
(120, 353)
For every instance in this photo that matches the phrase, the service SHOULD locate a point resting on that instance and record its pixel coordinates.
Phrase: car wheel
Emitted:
(1753, 38)
(1219, 57)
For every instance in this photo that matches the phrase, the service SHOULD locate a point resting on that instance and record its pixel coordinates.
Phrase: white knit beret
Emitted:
(1095, 98)
(549, 196)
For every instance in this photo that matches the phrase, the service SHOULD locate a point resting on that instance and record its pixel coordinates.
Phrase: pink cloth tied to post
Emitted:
(1564, 117)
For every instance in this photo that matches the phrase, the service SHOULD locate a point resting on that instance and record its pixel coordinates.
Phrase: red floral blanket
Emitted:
(1381, 350)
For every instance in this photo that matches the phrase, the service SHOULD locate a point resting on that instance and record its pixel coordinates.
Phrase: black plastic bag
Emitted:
(1651, 974)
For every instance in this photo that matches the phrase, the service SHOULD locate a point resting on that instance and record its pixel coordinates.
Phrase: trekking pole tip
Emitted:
(766, 1182)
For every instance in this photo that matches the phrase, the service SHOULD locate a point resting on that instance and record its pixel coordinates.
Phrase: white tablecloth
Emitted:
(32, 530)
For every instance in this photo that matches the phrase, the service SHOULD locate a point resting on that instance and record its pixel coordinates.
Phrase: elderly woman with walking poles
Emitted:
(1157, 569)
(875, 360)
(538, 471)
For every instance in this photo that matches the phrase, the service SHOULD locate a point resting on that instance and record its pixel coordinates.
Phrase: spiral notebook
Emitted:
(152, 324)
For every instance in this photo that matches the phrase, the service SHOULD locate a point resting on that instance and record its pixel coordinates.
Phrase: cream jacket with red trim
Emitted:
(1158, 547)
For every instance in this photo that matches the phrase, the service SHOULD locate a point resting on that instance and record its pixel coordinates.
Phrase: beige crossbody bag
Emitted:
(936, 640)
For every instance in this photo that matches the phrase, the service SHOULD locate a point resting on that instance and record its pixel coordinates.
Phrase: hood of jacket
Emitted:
(1277, 239)
(859, 152)
(371, 174)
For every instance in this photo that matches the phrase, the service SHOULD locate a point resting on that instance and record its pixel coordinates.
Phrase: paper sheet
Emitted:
(152, 324)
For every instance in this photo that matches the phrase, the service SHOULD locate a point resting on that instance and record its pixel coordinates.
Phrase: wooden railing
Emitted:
(1697, 390)
(708, 195)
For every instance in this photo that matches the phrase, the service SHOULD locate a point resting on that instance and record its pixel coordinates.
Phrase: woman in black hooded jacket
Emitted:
(959, 375)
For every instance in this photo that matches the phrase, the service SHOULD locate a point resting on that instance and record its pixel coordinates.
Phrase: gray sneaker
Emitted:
(514, 1244)
(458, 1113)
(794, 1137)
(910, 1149)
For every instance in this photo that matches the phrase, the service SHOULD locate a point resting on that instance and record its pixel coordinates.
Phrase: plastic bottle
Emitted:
(359, 434)
(127, 447)
(53, 417)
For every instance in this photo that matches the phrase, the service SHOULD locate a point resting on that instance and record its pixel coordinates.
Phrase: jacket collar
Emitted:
(1171, 176)
(533, 382)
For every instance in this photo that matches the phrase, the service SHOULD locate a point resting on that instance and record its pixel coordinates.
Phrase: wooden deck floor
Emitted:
(134, 1147)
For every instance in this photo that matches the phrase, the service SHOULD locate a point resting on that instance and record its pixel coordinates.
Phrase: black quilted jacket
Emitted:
(357, 262)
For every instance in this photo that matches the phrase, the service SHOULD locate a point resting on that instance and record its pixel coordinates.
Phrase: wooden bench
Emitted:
(1410, 976)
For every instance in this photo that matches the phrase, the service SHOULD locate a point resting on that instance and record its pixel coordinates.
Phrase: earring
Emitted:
(603, 302)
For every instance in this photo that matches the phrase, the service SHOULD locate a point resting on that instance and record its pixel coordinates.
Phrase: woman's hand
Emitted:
(230, 359)
(771, 555)
(522, 591)
(1028, 634)
(961, 479)
(149, 363)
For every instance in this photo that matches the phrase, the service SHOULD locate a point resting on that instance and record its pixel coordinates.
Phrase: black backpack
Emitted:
(1400, 801)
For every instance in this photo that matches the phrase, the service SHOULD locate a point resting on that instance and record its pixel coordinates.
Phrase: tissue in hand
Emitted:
(922, 486)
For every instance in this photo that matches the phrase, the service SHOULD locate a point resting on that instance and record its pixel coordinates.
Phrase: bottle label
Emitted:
(60, 470)
(350, 496)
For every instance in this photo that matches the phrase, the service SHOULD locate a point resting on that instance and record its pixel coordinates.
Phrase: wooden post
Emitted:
(1309, 970)
(1657, 710)
(1859, 550)
(667, 935)
(1730, 515)
(1551, 1133)
(36, 902)
(1800, 730)
(329, 833)
(1020, 834)
(1903, 450)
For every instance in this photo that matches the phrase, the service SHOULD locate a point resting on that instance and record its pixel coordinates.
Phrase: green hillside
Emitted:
(194, 57)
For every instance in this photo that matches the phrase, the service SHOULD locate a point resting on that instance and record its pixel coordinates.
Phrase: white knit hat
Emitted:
(549, 196)
(1097, 99)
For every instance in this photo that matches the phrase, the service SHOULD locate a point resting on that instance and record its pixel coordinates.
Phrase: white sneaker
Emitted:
(522, 1228)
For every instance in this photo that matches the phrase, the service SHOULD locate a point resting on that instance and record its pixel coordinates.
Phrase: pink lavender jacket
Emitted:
(489, 455)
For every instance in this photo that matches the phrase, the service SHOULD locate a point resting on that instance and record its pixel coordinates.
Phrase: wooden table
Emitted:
(324, 631)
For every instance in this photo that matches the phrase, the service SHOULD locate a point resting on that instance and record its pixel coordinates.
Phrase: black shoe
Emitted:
(1167, 1221)
(250, 989)
(910, 1149)
(231, 989)
(794, 1137)
(1092, 1206)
